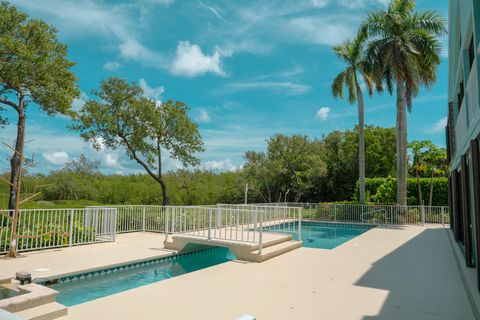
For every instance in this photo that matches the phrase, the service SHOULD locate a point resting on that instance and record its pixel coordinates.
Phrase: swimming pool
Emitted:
(85, 287)
(322, 235)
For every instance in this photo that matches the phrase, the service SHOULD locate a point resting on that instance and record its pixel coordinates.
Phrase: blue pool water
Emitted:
(323, 235)
(77, 289)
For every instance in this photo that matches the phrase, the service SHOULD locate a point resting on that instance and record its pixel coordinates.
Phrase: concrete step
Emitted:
(49, 311)
(276, 250)
(271, 243)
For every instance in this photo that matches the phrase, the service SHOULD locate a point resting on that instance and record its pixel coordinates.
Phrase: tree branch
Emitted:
(11, 104)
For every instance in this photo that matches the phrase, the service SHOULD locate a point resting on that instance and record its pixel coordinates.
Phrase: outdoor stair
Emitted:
(49, 311)
(273, 250)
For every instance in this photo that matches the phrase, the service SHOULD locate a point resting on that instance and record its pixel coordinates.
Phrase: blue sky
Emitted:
(247, 69)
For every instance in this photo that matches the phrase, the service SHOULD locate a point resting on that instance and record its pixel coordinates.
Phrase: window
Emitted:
(461, 93)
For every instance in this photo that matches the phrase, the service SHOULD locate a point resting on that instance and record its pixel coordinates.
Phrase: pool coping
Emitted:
(41, 280)
(121, 266)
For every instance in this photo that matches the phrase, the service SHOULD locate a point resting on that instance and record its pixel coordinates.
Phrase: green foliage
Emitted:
(288, 170)
(404, 46)
(34, 64)
(351, 53)
(122, 117)
(383, 190)
(340, 154)
(386, 192)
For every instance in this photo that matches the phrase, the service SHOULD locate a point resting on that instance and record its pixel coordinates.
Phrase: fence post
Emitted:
(423, 215)
(443, 218)
(209, 224)
(143, 218)
(113, 221)
(300, 224)
(260, 237)
(167, 212)
(335, 212)
(70, 238)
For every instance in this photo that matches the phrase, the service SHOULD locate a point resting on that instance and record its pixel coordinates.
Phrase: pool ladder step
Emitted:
(48, 311)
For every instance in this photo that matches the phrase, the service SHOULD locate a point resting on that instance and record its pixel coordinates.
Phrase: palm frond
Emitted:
(338, 83)
(429, 21)
(351, 86)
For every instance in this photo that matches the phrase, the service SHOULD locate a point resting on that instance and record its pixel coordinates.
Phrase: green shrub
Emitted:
(383, 190)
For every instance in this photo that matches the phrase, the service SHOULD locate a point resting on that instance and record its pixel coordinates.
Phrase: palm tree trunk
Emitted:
(402, 169)
(430, 200)
(361, 143)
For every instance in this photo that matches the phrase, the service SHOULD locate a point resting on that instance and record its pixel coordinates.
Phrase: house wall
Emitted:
(463, 130)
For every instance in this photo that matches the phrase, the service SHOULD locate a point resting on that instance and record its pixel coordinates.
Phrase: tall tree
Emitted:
(419, 153)
(121, 116)
(351, 53)
(403, 51)
(34, 69)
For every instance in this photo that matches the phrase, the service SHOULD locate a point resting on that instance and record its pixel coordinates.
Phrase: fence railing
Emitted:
(50, 228)
(241, 223)
(135, 218)
(371, 213)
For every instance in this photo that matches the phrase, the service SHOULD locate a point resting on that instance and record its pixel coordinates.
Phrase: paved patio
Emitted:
(403, 272)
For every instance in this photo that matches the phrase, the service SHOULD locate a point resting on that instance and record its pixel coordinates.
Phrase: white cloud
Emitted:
(112, 65)
(331, 33)
(110, 160)
(323, 113)
(151, 92)
(439, 126)
(190, 61)
(285, 87)
(219, 165)
(56, 157)
(78, 103)
(203, 116)
(358, 4)
(115, 23)
(319, 3)
(211, 9)
(154, 2)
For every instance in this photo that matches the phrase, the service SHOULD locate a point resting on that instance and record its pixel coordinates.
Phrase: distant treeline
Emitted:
(293, 168)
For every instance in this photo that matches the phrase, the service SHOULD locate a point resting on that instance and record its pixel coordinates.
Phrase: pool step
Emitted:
(49, 311)
(276, 250)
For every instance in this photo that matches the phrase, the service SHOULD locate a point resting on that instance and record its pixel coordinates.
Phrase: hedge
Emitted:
(372, 185)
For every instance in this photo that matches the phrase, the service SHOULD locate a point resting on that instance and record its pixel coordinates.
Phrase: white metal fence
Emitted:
(50, 228)
(134, 218)
(372, 213)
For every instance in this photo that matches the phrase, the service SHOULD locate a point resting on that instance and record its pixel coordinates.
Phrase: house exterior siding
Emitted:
(463, 127)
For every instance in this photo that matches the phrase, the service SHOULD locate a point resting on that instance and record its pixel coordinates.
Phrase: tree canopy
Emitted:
(121, 116)
(34, 69)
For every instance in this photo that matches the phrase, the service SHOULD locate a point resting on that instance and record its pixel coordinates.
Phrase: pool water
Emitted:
(321, 234)
(81, 288)
(6, 293)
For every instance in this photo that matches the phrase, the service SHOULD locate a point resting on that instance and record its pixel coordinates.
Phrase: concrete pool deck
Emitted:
(397, 272)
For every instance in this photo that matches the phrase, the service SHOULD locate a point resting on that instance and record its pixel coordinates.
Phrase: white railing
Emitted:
(50, 228)
(134, 218)
(240, 223)
(380, 214)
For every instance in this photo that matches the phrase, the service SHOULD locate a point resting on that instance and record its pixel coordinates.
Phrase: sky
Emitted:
(247, 69)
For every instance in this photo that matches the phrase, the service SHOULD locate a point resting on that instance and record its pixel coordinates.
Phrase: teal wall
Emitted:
(464, 20)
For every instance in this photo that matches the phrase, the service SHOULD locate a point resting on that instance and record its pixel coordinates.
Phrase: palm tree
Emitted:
(351, 53)
(404, 51)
